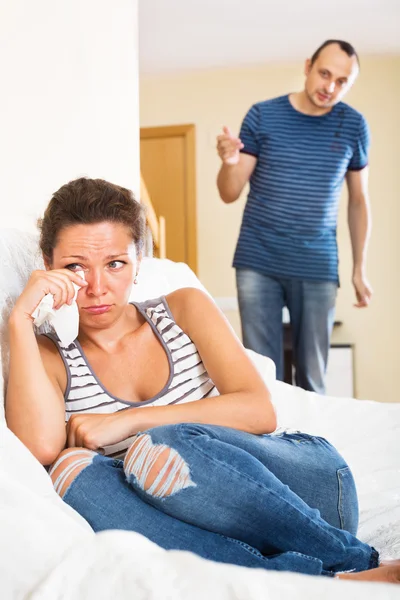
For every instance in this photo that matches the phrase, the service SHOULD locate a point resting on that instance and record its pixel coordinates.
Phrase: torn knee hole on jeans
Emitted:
(158, 469)
(74, 462)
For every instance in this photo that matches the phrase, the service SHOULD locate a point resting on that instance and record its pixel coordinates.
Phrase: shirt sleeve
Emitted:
(359, 160)
(249, 132)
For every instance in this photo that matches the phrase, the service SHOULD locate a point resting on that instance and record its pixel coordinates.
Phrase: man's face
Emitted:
(330, 77)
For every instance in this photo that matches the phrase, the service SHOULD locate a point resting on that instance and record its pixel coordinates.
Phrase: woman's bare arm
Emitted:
(35, 409)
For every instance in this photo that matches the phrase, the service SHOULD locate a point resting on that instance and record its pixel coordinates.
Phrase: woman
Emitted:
(170, 429)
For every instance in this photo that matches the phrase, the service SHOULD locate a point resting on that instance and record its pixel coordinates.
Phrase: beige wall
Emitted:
(211, 99)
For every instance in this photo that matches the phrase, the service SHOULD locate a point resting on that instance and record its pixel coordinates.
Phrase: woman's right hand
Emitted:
(57, 282)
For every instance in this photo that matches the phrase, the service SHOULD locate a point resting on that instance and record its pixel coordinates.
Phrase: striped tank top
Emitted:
(188, 379)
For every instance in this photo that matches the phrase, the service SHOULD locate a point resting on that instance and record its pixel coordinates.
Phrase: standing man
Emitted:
(296, 151)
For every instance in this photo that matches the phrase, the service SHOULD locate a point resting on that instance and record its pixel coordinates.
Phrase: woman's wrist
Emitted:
(18, 320)
(131, 421)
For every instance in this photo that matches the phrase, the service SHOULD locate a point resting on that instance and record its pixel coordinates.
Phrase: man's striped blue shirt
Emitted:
(289, 222)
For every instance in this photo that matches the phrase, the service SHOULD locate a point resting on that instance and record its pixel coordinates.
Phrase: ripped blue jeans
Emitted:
(282, 501)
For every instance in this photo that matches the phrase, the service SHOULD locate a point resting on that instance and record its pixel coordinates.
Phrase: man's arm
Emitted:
(359, 220)
(236, 168)
(232, 178)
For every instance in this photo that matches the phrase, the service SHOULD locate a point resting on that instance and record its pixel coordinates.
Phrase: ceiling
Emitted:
(183, 35)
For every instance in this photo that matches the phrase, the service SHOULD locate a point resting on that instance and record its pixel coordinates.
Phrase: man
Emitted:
(296, 151)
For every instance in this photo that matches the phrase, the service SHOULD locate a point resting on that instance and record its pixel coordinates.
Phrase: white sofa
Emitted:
(49, 552)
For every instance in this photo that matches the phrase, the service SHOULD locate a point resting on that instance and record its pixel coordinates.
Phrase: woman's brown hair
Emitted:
(88, 201)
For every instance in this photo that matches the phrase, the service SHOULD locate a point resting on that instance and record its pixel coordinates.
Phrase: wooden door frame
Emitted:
(188, 133)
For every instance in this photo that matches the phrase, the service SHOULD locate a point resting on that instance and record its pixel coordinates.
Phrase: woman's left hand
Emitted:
(96, 431)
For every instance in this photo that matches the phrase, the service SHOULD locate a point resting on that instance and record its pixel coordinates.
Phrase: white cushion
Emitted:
(159, 277)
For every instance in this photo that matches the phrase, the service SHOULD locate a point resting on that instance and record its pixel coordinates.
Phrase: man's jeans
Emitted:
(280, 501)
(311, 306)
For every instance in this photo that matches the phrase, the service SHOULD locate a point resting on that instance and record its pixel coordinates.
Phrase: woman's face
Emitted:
(106, 253)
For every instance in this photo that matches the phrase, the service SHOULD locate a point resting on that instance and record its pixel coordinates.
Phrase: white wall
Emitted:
(69, 99)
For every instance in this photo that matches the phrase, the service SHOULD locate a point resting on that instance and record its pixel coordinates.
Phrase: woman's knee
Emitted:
(156, 467)
(176, 434)
(326, 456)
(67, 467)
(155, 464)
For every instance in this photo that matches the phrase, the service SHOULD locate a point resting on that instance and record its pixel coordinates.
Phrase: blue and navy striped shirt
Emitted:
(289, 222)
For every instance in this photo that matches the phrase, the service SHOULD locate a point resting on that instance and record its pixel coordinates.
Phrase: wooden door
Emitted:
(167, 164)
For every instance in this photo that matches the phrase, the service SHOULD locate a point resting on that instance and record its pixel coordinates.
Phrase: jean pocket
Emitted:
(347, 501)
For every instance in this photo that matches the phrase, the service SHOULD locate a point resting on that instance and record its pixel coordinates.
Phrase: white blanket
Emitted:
(119, 565)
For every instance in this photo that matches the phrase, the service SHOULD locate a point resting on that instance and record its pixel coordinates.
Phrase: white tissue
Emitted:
(65, 320)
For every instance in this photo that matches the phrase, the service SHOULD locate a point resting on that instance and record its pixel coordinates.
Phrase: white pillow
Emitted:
(159, 277)
(266, 368)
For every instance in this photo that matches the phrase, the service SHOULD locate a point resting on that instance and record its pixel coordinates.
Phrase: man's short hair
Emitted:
(345, 46)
